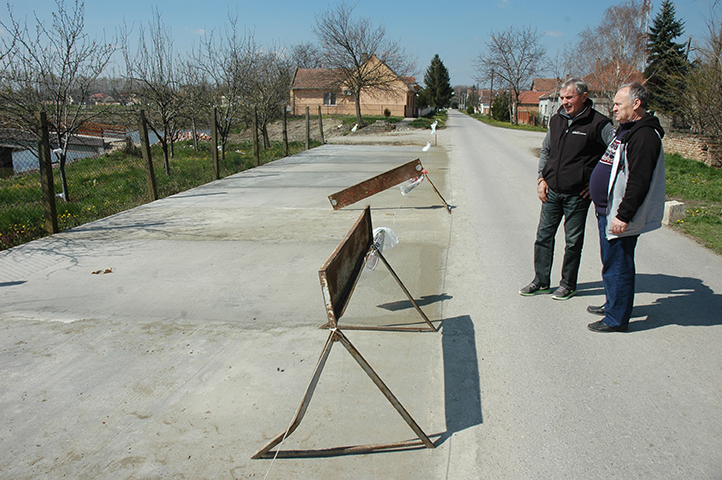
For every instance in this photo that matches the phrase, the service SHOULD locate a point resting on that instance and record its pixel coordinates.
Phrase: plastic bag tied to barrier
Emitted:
(412, 183)
(384, 239)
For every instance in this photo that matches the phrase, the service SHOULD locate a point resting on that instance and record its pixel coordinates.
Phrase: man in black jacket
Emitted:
(577, 137)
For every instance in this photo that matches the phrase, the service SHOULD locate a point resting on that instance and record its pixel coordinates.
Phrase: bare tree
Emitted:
(154, 75)
(51, 68)
(306, 55)
(515, 56)
(198, 96)
(614, 52)
(269, 88)
(348, 46)
(226, 60)
(702, 101)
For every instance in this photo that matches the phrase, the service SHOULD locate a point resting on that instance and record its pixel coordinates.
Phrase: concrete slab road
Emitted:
(196, 347)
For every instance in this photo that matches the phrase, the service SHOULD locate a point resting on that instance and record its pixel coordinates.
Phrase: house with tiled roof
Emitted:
(325, 88)
(528, 107)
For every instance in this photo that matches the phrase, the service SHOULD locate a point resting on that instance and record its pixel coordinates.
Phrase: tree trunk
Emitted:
(195, 135)
(63, 176)
(266, 138)
(359, 119)
(166, 161)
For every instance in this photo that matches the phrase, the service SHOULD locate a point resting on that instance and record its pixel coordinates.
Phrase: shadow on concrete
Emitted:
(406, 304)
(11, 284)
(682, 301)
(462, 390)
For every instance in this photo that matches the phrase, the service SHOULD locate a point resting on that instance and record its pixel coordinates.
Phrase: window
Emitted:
(329, 98)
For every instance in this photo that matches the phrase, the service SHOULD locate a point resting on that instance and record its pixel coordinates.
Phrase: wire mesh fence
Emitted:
(106, 175)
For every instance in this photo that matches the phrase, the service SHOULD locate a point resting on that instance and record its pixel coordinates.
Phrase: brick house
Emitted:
(314, 87)
(531, 102)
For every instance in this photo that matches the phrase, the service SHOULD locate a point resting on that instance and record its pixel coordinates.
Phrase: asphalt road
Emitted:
(196, 349)
(557, 400)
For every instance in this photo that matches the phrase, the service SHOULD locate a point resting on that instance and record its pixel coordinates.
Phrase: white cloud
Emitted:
(554, 33)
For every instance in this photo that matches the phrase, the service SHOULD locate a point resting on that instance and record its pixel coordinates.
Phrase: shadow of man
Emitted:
(462, 392)
(682, 301)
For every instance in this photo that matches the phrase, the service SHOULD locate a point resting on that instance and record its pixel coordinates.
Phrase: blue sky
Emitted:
(457, 31)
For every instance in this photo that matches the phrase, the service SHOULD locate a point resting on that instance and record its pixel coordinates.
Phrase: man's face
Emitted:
(572, 102)
(624, 109)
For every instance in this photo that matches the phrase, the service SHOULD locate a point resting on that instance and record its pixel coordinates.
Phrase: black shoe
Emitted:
(596, 310)
(602, 327)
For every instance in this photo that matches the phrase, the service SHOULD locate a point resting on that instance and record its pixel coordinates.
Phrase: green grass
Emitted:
(426, 121)
(496, 123)
(369, 119)
(700, 188)
(105, 185)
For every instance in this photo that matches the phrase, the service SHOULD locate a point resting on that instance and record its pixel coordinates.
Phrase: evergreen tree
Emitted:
(667, 62)
(500, 108)
(438, 89)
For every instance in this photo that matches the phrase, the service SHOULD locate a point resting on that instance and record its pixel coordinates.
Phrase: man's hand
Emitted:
(618, 226)
(541, 190)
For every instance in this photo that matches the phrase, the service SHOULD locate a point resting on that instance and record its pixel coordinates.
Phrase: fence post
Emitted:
(320, 124)
(214, 141)
(46, 175)
(256, 147)
(147, 157)
(285, 132)
(308, 130)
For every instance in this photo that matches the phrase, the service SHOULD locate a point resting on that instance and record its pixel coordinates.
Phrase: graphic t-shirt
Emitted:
(599, 180)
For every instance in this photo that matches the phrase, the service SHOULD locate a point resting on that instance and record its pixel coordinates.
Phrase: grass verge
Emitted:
(700, 188)
(496, 123)
(426, 121)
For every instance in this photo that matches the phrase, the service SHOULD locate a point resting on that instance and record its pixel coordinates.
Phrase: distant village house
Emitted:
(322, 87)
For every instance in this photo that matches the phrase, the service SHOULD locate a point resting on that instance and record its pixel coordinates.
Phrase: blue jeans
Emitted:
(618, 274)
(574, 210)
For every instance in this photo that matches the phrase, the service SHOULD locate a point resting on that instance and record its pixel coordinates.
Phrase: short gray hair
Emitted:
(579, 85)
(637, 92)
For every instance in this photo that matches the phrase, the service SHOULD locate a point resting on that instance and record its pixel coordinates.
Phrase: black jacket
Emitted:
(574, 149)
(643, 147)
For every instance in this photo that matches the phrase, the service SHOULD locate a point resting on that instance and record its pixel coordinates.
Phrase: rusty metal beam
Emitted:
(403, 287)
(446, 205)
(340, 273)
(306, 398)
(376, 184)
(337, 335)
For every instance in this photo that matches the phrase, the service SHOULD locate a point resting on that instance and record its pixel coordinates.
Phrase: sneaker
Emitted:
(533, 289)
(563, 293)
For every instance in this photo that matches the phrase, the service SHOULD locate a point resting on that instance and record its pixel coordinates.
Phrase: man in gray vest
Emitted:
(628, 189)
(577, 137)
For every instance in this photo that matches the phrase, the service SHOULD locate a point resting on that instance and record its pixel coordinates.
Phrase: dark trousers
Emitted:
(618, 273)
(573, 208)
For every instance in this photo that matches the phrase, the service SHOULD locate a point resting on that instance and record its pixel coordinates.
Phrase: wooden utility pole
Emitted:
(147, 157)
(285, 133)
(308, 129)
(320, 124)
(46, 175)
(214, 139)
(256, 147)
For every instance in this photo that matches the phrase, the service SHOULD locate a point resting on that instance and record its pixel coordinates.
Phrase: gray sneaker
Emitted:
(563, 293)
(533, 289)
